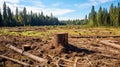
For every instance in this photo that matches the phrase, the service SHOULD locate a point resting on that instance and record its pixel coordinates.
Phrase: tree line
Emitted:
(104, 17)
(74, 22)
(22, 18)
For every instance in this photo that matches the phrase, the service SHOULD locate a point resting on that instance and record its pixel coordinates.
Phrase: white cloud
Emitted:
(56, 4)
(104, 1)
(48, 11)
(68, 18)
(100, 1)
(92, 2)
(10, 1)
(36, 6)
(57, 11)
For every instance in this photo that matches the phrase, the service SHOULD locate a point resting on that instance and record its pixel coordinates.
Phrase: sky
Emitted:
(62, 9)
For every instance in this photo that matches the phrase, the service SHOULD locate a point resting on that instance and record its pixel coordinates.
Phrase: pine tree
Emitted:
(119, 14)
(42, 18)
(16, 15)
(116, 15)
(31, 18)
(1, 19)
(9, 23)
(86, 20)
(24, 17)
(105, 17)
(92, 21)
(111, 12)
(100, 16)
(4, 14)
(20, 19)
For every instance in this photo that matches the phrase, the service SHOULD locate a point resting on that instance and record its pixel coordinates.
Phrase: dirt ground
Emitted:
(88, 51)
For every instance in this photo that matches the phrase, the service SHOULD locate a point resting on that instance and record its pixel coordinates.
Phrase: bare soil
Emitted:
(89, 52)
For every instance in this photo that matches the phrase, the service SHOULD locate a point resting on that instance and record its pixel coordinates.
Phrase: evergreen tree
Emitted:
(111, 11)
(24, 17)
(92, 21)
(115, 17)
(119, 13)
(31, 18)
(9, 23)
(86, 20)
(100, 16)
(42, 18)
(105, 17)
(4, 14)
(16, 15)
(20, 19)
(1, 19)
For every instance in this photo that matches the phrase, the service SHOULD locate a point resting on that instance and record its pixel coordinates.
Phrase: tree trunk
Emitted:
(22, 63)
(27, 54)
(107, 42)
(61, 39)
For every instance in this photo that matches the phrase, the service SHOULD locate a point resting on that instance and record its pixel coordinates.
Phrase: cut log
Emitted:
(14, 60)
(61, 39)
(27, 54)
(107, 42)
(26, 47)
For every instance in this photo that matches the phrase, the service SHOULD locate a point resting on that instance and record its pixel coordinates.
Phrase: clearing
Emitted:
(85, 50)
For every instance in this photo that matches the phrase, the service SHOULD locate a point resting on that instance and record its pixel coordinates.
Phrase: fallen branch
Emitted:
(107, 42)
(27, 54)
(88, 61)
(66, 60)
(95, 36)
(14, 60)
(109, 56)
(75, 63)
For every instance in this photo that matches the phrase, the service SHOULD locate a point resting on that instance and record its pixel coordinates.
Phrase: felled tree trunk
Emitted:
(107, 42)
(61, 39)
(39, 59)
(22, 63)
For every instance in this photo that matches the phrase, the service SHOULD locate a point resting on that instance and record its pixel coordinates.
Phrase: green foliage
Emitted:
(1, 19)
(92, 17)
(74, 22)
(105, 18)
(25, 18)
(4, 14)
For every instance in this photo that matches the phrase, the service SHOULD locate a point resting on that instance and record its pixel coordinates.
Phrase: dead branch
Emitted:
(27, 54)
(109, 56)
(14, 60)
(65, 60)
(95, 36)
(107, 42)
(88, 60)
(75, 63)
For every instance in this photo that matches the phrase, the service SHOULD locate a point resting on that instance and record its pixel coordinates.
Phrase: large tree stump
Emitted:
(61, 39)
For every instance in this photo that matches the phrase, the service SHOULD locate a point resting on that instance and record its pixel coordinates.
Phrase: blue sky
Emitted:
(63, 9)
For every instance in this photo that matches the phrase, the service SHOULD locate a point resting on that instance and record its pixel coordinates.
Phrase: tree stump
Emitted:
(61, 39)
(26, 47)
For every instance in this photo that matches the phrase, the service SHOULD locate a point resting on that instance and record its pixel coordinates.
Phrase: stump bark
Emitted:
(61, 39)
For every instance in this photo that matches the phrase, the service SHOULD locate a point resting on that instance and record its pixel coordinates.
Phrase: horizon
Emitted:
(63, 9)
